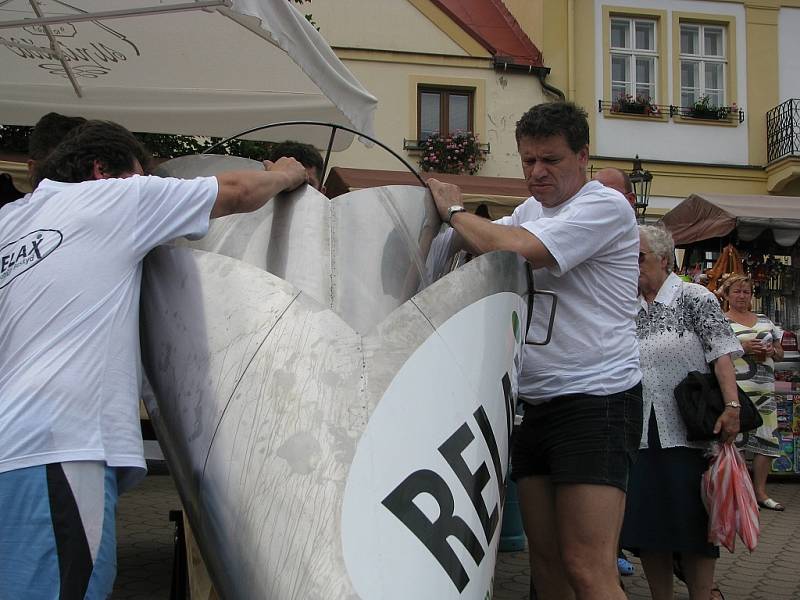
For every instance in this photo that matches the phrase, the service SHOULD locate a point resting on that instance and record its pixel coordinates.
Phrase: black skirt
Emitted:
(664, 511)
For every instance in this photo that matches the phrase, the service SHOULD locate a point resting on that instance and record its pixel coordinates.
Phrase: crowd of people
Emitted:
(648, 487)
(601, 458)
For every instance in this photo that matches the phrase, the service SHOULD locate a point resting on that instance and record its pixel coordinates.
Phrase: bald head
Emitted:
(617, 179)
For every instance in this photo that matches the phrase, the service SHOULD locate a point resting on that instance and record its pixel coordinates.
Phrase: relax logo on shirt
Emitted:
(25, 253)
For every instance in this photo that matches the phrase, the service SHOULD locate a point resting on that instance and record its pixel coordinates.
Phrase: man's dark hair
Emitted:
(482, 210)
(306, 154)
(556, 118)
(48, 133)
(109, 143)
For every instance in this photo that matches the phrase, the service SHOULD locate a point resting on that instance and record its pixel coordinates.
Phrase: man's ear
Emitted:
(99, 170)
(31, 173)
(583, 156)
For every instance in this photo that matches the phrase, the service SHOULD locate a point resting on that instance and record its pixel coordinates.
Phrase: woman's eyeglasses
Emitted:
(642, 256)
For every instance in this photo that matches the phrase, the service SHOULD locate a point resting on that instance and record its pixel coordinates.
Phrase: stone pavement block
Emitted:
(772, 572)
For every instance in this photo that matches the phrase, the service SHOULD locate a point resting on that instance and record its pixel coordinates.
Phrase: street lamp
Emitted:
(640, 180)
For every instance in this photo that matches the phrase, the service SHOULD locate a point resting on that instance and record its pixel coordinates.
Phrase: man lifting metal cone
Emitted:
(581, 392)
(69, 383)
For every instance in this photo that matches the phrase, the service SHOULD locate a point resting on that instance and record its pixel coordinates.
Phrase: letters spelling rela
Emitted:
(435, 535)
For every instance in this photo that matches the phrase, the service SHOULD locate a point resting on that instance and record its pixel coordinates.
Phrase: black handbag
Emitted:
(700, 403)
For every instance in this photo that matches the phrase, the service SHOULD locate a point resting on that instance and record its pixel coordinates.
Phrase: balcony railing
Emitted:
(783, 130)
(725, 114)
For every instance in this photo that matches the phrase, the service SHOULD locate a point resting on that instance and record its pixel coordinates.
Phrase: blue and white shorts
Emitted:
(57, 531)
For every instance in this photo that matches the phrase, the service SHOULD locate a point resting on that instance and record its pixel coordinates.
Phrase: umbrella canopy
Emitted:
(209, 67)
(704, 216)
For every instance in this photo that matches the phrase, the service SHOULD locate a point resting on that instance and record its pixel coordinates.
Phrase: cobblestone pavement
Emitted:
(772, 572)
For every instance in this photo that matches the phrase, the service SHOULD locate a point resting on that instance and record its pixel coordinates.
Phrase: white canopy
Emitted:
(204, 67)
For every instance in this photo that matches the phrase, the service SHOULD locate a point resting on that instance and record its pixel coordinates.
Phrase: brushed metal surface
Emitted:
(361, 254)
(269, 344)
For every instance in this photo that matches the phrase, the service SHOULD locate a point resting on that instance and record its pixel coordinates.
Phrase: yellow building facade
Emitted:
(407, 51)
(741, 59)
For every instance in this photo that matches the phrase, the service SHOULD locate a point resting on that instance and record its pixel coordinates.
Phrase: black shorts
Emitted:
(580, 438)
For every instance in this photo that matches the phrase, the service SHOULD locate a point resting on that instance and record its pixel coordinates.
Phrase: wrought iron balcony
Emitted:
(783, 130)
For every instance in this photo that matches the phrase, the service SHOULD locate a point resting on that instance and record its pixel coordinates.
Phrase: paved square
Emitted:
(772, 572)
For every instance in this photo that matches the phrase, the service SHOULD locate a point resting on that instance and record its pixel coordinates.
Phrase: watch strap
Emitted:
(456, 208)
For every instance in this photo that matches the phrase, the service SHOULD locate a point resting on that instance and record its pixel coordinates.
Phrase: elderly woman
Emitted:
(755, 371)
(681, 328)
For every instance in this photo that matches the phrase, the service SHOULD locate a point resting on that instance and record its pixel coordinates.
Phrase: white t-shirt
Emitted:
(594, 239)
(70, 272)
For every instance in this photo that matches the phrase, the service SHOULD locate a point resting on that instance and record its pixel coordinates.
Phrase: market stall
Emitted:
(759, 236)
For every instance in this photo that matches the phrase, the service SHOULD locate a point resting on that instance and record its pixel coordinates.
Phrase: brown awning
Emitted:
(503, 192)
(704, 216)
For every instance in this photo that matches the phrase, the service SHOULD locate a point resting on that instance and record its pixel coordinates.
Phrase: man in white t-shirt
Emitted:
(70, 271)
(582, 391)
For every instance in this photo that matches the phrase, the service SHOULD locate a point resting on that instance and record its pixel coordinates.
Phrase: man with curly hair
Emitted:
(45, 137)
(70, 271)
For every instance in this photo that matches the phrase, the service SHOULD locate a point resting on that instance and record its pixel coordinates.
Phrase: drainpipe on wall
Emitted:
(571, 48)
(502, 63)
(550, 88)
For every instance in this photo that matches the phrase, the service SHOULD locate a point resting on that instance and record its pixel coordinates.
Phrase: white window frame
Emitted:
(631, 53)
(702, 60)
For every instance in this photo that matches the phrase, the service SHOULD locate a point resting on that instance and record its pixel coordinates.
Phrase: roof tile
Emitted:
(495, 28)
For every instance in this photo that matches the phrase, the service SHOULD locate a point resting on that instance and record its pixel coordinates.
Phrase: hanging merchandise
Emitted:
(728, 263)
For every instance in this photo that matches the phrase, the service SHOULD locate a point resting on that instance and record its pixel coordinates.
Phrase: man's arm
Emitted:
(479, 235)
(246, 191)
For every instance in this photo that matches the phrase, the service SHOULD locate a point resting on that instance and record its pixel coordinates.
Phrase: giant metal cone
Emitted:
(337, 424)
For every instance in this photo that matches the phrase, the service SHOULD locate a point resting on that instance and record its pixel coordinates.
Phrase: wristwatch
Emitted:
(456, 208)
(733, 404)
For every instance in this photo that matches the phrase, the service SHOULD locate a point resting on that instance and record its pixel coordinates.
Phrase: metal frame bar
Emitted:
(532, 293)
(56, 50)
(334, 127)
(115, 14)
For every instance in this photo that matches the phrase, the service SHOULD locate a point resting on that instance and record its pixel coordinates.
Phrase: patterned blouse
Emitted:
(683, 330)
